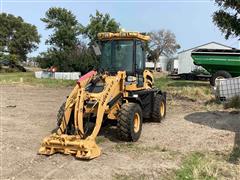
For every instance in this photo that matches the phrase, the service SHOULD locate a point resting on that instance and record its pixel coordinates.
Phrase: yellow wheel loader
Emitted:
(121, 90)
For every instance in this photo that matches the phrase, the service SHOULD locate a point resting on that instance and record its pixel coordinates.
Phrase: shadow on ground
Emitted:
(221, 120)
(110, 132)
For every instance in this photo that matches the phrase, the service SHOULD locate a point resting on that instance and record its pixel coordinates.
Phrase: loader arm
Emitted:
(112, 86)
(75, 100)
(77, 144)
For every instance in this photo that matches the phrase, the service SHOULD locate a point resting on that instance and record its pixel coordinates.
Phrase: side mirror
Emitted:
(96, 49)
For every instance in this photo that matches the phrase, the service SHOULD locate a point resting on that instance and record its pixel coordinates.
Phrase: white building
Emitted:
(161, 64)
(185, 61)
(175, 64)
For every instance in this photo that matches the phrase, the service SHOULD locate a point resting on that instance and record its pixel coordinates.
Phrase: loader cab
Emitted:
(123, 55)
(123, 51)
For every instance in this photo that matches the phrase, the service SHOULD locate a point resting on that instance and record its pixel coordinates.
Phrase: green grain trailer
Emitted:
(221, 63)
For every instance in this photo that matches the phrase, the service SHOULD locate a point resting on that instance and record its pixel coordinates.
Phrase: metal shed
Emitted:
(162, 63)
(185, 61)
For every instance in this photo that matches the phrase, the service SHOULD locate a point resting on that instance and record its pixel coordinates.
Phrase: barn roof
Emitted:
(205, 45)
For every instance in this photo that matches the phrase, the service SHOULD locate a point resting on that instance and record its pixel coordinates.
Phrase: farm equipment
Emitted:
(221, 63)
(121, 91)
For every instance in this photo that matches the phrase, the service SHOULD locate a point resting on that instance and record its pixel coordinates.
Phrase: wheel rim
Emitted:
(136, 122)
(162, 109)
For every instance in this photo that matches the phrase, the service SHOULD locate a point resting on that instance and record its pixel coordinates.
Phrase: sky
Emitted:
(189, 20)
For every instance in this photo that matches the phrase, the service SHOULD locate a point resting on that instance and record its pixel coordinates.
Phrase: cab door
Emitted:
(139, 62)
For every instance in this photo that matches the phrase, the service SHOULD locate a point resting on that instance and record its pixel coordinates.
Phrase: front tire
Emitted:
(130, 122)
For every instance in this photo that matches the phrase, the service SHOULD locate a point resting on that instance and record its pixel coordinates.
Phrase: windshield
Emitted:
(117, 55)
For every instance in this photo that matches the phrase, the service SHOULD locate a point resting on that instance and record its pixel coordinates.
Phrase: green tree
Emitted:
(162, 42)
(67, 52)
(79, 59)
(65, 26)
(64, 39)
(45, 60)
(227, 18)
(17, 38)
(100, 23)
(83, 59)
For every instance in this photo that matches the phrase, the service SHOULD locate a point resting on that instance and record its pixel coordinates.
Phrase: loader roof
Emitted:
(122, 35)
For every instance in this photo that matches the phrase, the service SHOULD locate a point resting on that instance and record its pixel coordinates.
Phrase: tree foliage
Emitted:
(67, 52)
(227, 18)
(17, 38)
(162, 42)
(65, 26)
(100, 23)
(80, 59)
(63, 41)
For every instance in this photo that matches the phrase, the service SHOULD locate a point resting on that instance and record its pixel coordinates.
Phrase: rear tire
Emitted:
(159, 108)
(130, 122)
(219, 74)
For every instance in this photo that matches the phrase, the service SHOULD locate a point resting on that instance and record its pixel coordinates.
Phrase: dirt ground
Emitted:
(28, 114)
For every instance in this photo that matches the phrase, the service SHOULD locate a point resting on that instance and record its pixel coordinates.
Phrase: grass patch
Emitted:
(234, 102)
(193, 90)
(234, 157)
(213, 101)
(196, 166)
(192, 93)
(29, 79)
(207, 166)
(187, 83)
(162, 83)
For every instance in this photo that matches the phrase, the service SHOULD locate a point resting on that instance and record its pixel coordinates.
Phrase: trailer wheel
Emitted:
(130, 122)
(159, 108)
(219, 75)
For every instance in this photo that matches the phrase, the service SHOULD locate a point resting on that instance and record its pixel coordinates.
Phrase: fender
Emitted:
(135, 100)
(164, 94)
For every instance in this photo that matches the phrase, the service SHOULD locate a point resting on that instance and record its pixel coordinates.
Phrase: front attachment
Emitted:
(70, 144)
